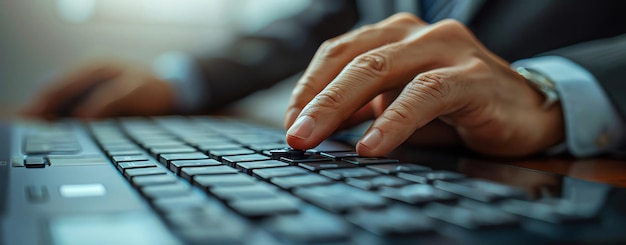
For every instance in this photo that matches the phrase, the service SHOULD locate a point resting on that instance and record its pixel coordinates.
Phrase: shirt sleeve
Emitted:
(181, 70)
(592, 123)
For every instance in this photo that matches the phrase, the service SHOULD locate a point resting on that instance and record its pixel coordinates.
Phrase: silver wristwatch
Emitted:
(542, 84)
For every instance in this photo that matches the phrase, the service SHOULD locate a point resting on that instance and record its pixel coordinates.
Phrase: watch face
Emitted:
(542, 84)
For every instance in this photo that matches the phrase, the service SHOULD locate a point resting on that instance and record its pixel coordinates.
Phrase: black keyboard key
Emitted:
(394, 220)
(370, 183)
(131, 173)
(124, 153)
(233, 160)
(132, 158)
(76, 160)
(210, 147)
(218, 154)
(278, 172)
(343, 173)
(165, 159)
(317, 166)
(251, 139)
(340, 197)
(268, 147)
(369, 160)
(161, 179)
(207, 140)
(121, 148)
(474, 217)
(307, 157)
(556, 211)
(289, 182)
(150, 143)
(321, 227)
(122, 166)
(417, 194)
(155, 152)
(285, 152)
(429, 177)
(208, 224)
(247, 167)
(177, 165)
(189, 172)
(34, 162)
(246, 192)
(481, 190)
(163, 191)
(256, 208)
(398, 167)
(192, 200)
(210, 181)
(340, 154)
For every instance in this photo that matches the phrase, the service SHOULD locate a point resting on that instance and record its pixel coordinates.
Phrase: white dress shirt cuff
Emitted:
(592, 124)
(181, 70)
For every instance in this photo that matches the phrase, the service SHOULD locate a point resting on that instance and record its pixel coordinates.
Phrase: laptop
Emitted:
(218, 180)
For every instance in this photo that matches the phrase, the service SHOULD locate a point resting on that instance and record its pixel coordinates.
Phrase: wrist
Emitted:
(551, 121)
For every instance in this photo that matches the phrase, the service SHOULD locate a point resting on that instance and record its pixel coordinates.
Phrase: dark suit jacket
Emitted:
(590, 33)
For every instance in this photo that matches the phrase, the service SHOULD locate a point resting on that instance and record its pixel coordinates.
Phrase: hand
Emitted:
(409, 76)
(103, 89)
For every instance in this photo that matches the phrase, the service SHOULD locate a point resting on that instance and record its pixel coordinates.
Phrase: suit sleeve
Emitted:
(606, 60)
(274, 53)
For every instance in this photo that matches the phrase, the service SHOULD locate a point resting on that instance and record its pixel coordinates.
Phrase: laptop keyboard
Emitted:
(211, 179)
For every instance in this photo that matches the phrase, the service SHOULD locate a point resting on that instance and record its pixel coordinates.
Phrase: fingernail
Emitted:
(302, 128)
(372, 139)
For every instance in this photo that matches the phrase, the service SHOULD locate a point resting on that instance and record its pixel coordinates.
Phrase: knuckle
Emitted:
(452, 24)
(305, 84)
(330, 98)
(333, 47)
(452, 28)
(373, 63)
(405, 18)
(429, 86)
(477, 65)
(400, 112)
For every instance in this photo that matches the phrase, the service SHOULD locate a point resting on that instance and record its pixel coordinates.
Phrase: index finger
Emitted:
(336, 53)
(389, 67)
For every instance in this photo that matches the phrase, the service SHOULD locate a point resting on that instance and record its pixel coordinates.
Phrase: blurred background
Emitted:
(43, 37)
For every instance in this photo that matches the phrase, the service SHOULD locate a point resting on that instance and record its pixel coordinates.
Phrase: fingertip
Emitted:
(297, 143)
(303, 134)
(370, 144)
(301, 129)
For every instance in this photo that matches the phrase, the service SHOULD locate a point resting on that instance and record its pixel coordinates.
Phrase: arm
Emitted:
(184, 84)
(605, 59)
(592, 125)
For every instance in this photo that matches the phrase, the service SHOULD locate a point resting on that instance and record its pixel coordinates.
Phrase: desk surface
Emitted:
(606, 170)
